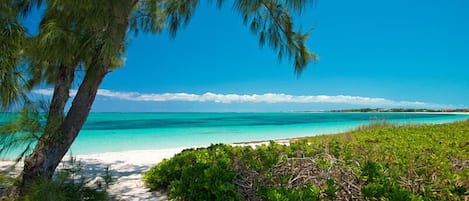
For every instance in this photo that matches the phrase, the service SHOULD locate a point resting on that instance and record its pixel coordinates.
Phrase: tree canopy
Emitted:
(89, 37)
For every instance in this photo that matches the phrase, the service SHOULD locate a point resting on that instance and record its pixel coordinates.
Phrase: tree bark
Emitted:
(63, 83)
(58, 138)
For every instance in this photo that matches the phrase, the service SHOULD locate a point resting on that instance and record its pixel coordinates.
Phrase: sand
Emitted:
(127, 168)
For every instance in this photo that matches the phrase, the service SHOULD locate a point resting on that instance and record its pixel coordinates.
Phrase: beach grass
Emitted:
(377, 162)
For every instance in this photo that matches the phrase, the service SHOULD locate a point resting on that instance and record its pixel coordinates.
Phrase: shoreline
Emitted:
(169, 152)
(127, 167)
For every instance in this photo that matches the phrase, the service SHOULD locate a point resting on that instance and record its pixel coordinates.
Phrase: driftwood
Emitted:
(301, 172)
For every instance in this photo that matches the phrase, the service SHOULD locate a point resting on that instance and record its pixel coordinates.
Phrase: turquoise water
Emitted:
(109, 132)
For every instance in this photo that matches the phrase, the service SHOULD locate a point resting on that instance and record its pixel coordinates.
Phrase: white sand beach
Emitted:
(126, 167)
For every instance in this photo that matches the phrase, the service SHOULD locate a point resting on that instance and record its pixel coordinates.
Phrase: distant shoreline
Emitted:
(462, 113)
(128, 166)
(459, 110)
(384, 112)
(466, 111)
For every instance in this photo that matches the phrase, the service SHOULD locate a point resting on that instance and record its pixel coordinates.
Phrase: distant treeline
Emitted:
(399, 110)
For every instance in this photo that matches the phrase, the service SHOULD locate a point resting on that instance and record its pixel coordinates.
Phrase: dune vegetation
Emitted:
(376, 162)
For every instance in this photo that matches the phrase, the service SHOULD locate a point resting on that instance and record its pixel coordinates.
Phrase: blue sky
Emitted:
(387, 53)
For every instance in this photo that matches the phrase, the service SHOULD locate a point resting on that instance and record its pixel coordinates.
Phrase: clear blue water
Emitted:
(109, 132)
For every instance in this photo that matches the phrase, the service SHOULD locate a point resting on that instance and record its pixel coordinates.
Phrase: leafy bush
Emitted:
(379, 162)
(62, 189)
(6, 182)
(202, 174)
(379, 186)
(305, 193)
(68, 184)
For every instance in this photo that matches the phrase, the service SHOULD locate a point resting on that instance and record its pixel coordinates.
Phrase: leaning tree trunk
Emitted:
(56, 141)
(58, 137)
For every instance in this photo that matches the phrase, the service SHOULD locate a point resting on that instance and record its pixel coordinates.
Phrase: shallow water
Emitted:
(108, 132)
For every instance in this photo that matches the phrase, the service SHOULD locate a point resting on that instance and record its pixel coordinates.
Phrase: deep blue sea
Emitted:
(109, 132)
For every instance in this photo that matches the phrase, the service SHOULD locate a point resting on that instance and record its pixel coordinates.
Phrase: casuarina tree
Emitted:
(88, 38)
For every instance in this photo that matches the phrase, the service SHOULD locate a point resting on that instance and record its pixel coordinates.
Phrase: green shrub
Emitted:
(202, 174)
(379, 162)
(305, 193)
(5, 186)
(60, 190)
(263, 158)
(331, 189)
(379, 186)
(386, 191)
(160, 176)
(68, 184)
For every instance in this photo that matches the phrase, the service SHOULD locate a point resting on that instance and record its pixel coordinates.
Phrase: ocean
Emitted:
(111, 132)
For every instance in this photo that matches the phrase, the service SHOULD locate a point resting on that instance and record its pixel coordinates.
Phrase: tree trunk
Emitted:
(56, 140)
(58, 137)
(63, 83)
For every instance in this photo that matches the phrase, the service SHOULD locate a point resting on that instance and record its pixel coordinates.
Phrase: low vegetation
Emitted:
(379, 162)
(69, 183)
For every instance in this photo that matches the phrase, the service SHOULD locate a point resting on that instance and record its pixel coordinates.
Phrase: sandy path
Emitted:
(126, 167)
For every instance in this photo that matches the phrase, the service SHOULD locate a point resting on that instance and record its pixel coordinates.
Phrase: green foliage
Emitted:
(385, 191)
(95, 37)
(68, 184)
(379, 186)
(271, 21)
(372, 172)
(305, 193)
(420, 158)
(22, 132)
(6, 182)
(331, 190)
(160, 176)
(263, 157)
(202, 174)
(62, 189)
(12, 37)
(383, 162)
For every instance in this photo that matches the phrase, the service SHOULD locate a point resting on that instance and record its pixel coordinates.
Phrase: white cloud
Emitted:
(252, 98)
(45, 92)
